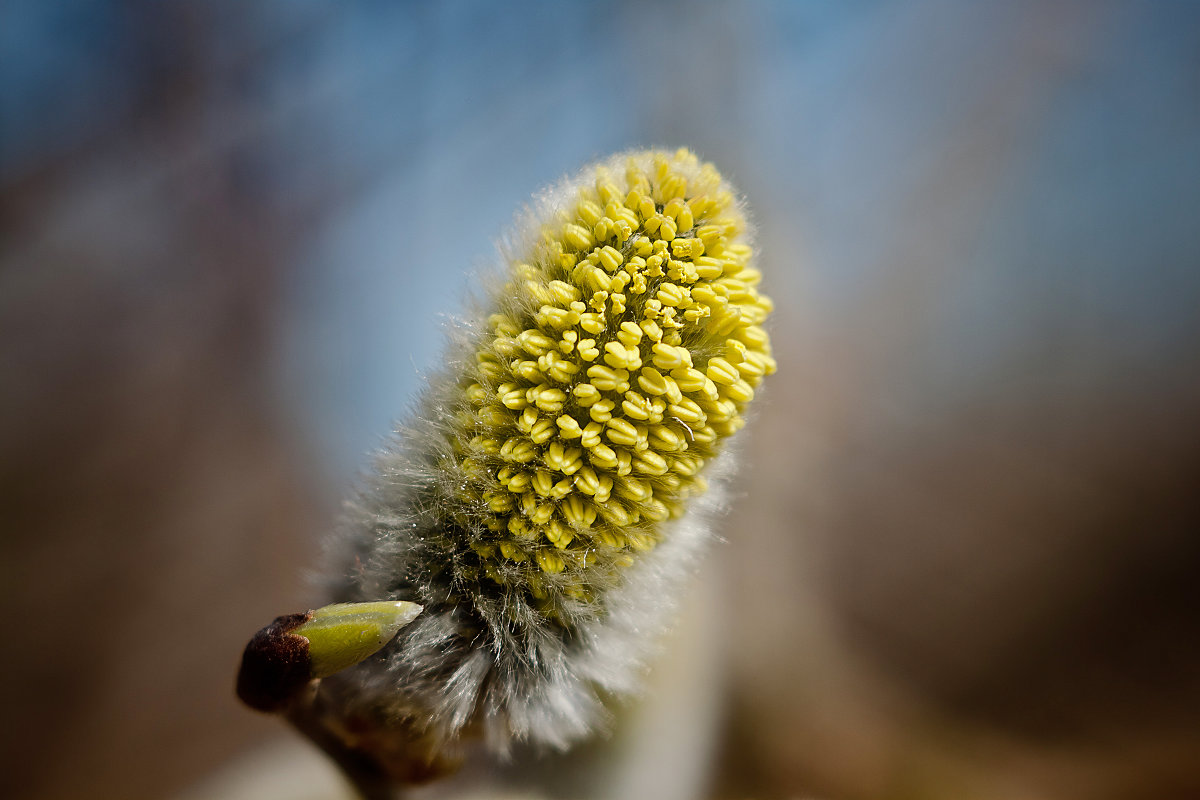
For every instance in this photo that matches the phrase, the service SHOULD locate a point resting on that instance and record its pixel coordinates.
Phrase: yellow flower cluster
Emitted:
(625, 348)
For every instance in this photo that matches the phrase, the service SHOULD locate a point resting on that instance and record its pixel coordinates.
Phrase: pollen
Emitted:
(624, 348)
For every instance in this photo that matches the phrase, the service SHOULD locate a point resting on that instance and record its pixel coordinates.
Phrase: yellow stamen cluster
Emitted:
(625, 347)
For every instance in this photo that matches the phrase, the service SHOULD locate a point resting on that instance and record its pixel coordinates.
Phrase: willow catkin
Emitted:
(550, 493)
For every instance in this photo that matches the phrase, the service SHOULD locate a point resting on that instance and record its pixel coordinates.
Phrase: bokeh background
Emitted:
(964, 560)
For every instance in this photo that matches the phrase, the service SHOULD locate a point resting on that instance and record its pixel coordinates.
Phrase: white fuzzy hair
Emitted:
(481, 657)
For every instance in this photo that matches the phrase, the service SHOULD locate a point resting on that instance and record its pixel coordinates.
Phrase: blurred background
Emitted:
(963, 562)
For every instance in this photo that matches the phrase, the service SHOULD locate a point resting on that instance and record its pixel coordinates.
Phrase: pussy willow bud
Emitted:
(282, 658)
(549, 495)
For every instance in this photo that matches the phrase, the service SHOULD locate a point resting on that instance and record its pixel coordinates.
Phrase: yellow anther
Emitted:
(557, 318)
(558, 368)
(630, 334)
(587, 349)
(505, 347)
(633, 489)
(635, 406)
(621, 432)
(651, 329)
(670, 358)
(609, 380)
(518, 450)
(611, 538)
(562, 458)
(542, 483)
(527, 419)
(550, 562)
(591, 276)
(568, 427)
(667, 229)
(751, 277)
(739, 391)
(721, 371)
(708, 296)
(685, 218)
(591, 434)
(611, 258)
(624, 462)
(592, 323)
(670, 294)
(563, 292)
(518, 483)
(528, 370)
(600, 298)
(537, 291)
(587, 481)
(589, 212)
(720, 410)
(492, 416)
(586, 394)
(514, 399)
(503, 325)
(674, 186)
(499, 503)
(602, 411)
(616, 515)
(556, 531)
(754, 337)
(768, 363)
(618, 356)
(490, 370)
(686, 248)
(542, 431)
(551, 400)
(652, 381)
(578, 511)
(739, 253)
(663, 438)
(708, 268)
(486, 444)
(477, 394)
(608, 191)
(752, 368)
(649, 462)
(577, 237)
(602, 456)
(735, 351)
(512, 552)
(646, 208)
(655, 511)
(689, 380)
(687, 411)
